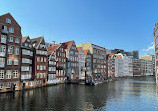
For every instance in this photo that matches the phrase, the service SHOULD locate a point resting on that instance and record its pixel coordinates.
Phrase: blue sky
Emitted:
(125, 24)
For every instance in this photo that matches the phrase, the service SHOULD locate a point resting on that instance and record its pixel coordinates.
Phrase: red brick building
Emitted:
(59, 51)
(40, 62)
(10, 53)
(72, 60)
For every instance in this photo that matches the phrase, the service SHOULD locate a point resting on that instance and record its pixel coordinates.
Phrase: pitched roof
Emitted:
(53, 48)
(85, 51)
(68, 44)
(36, 41)
(79, 49)
(8, 14)
(111, 55)
(118, 56)
(24, 38)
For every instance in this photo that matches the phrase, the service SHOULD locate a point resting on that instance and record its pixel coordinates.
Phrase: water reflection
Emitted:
(137, 94)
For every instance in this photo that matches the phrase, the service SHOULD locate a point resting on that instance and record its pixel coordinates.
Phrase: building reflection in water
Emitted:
(130, 94)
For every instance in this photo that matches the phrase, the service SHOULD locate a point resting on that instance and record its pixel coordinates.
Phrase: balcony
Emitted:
(4, 31)
(25, 76)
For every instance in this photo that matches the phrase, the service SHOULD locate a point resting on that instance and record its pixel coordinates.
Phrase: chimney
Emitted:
(53, 43)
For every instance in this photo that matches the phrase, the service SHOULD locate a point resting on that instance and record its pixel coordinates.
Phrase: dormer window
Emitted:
(8, 20)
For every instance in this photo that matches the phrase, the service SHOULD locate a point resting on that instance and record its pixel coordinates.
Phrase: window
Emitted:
(8, 20)
(25, 60)
(24, 68)
(17, 40)
(38, 59)
(16, 61)
(44, 75)
(11, 30)
(30, 45)
(2, 48)
(41, 59)
(41, 67)
(37, 67)
(15, 73)
(41, 75)
(15, 83)
(10, 39)
(8, 74)
(9, 61)
(2, 62)
(3, 38)
(16, 51)
(26, 83)
(4, 27)
(26, 44)
(10, 49)
(44, 67)
(28, 40)
(45, 59)
(1, 85)
(1, 74)
(8, 85)
(31, 83)
(37, 75)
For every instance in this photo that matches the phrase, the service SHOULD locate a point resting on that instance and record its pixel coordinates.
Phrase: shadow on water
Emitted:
(138, 94)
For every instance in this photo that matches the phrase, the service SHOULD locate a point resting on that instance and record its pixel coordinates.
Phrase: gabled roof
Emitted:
(79, 49)
(53, 48)
(68, 44)
(118, 56)
(24, 39)
(112, 55)
(36, 41)
(85, 51)
(8, 14)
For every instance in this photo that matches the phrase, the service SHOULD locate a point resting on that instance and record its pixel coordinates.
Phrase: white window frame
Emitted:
(15, 74)
(8, 85)
(9, 61)
(11, 29)
(16, 61)
(1, 74)
(8, 20)
(8, 74)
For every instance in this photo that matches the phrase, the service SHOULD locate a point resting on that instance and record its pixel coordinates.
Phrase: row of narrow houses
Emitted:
(27, 63)
(31, 62)
(121, 65)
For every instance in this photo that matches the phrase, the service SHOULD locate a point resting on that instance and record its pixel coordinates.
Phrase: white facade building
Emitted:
(81, 60)
(123, 66)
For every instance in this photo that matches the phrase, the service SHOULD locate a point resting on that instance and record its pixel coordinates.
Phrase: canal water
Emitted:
(138, 94)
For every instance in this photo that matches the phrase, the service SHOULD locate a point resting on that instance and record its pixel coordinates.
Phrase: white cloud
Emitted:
(150, 47)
